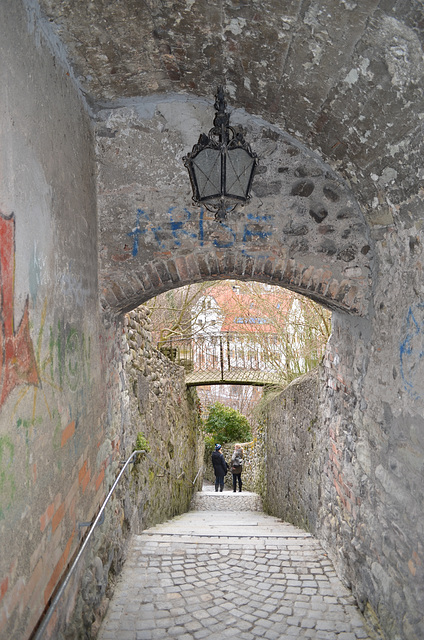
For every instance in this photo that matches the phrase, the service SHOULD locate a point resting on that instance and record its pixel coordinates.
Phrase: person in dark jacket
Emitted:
(220, 467)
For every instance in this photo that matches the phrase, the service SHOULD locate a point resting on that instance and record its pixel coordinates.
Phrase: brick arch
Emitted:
(302, 229)
(316, 283)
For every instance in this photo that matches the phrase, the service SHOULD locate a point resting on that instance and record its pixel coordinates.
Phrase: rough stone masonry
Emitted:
(98, 104)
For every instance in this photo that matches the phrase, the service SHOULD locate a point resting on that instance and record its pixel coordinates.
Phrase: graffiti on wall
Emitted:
(17, 361)
(256, 228)
(69, 358)
(7, 480)
(412, 352)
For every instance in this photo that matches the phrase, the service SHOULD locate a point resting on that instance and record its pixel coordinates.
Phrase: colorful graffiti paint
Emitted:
(7, 479)
(17, 361)
(411, 352)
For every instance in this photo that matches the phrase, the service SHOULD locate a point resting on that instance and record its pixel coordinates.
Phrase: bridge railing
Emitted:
(226, 352)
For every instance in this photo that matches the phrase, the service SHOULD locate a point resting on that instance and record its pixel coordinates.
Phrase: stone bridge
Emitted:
(99, 103)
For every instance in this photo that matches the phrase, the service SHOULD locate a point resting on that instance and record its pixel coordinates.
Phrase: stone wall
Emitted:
(302, 229)
(371, 517)
(343, 463)
(168, 415)
(159, 485)
(293, 458)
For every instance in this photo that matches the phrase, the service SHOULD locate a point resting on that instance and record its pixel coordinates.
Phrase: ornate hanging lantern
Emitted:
(221, 165)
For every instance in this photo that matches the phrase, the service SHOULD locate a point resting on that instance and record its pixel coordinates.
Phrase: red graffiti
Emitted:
(17, 361)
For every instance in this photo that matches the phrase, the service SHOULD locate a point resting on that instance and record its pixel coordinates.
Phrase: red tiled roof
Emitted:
(243, 313)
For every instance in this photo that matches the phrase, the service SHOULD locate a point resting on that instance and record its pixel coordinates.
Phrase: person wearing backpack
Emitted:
(237, 466)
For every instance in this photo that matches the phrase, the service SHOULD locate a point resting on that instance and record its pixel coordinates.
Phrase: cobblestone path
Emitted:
(230, 573)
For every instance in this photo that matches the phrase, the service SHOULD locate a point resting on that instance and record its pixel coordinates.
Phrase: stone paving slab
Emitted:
(260, 579)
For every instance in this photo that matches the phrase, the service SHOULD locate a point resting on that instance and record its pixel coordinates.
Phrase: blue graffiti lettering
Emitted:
(155, 231)
(137, 231)
(264, 218)
(225, 245)
(411, 351)
(249, 233)
(177, 227)
(262, 235)
(178, 232)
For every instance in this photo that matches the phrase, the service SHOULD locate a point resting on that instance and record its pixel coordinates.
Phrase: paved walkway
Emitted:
(236, 573)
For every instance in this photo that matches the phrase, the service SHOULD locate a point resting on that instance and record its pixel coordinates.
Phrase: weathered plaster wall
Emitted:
(66, 420)
(51, 388)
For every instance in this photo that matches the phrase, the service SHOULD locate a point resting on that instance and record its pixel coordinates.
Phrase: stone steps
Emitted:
(210, 500)
(229, 527)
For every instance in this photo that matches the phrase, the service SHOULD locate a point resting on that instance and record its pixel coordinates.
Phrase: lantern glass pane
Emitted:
(238, 172)
(207, 171)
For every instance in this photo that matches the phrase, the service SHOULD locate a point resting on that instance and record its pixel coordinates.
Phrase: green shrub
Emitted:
(225, 424)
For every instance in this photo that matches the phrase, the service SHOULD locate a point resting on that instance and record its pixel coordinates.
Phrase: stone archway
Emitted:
(302, 229)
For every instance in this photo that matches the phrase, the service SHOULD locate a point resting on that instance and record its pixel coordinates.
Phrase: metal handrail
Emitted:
(43, 626)
(197, 475)
(98, 519)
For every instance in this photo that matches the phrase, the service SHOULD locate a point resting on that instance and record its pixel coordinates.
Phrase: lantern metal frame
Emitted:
(221, 165)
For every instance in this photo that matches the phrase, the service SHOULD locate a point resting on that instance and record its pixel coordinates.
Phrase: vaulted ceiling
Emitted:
(343, 76)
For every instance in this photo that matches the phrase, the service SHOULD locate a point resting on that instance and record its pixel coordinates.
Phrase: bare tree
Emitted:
(172, 312)
(289, 330)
